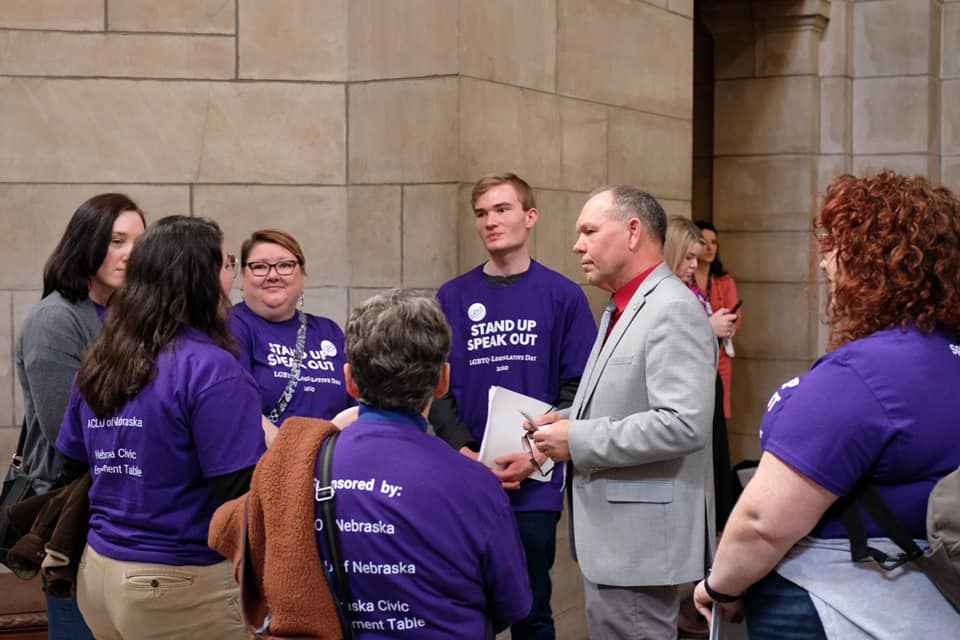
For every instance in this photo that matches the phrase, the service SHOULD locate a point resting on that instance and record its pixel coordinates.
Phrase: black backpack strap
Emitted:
(866, 497)
(857, 533)
(340, 586)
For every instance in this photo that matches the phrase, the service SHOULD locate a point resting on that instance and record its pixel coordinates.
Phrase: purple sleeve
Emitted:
(244, 339)
(827, 426)
(579, 334)
(505, 578)
(225, 422)
(70, 441)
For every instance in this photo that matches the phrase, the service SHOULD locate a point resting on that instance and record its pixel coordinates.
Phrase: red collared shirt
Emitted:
(622, 295)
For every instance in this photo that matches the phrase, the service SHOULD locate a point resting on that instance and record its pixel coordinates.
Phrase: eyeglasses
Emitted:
(823, 238)
(526, 441)
(262, 269)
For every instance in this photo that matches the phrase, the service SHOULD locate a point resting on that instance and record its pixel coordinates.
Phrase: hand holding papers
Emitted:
(504, 430)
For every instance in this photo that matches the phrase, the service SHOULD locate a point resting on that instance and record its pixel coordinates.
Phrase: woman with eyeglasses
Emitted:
(296, 358)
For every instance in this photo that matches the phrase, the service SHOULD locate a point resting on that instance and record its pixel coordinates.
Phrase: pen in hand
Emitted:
(533, 427)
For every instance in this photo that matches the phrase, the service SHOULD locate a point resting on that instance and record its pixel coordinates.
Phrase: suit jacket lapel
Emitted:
(589, 369)
(602, 350)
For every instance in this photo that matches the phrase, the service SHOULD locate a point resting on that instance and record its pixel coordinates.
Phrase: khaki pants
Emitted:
(140, 601)
(631, 613)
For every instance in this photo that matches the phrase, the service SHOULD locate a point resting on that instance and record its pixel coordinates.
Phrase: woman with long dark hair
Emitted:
(721, 291)
(169, 425)
(878, 413)
(85, 268)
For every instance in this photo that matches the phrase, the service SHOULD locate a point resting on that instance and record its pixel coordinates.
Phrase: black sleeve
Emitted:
(447, 425)
(568, 391)
(230, 486)
(70, 471)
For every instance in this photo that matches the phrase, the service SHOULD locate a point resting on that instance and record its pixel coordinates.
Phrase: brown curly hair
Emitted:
(897, 242)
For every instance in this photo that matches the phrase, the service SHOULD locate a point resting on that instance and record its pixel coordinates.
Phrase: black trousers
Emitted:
(538, 533)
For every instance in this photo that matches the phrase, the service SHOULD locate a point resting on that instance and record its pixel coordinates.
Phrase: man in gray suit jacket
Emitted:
(640, 481)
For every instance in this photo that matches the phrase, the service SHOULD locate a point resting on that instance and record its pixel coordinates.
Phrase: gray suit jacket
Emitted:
(641, 487)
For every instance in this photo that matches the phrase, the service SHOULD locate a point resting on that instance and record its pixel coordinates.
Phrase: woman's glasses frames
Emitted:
(262, 269)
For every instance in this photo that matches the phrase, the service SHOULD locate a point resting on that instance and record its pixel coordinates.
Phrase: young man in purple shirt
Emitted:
(519, 325)
(430, 547)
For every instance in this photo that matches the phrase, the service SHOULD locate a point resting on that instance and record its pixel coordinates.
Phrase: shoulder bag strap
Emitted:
(21, 443)
(871, 502)
(341, 589)
(287, 394)
(17, 485)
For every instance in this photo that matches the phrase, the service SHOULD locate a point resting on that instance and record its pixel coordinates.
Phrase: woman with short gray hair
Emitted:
(397, 347)
(425, 530)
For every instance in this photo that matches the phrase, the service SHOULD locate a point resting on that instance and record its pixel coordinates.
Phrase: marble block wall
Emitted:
(766, 154)
(595, 92)
(949, 62)
(358, 125)
(805, 90)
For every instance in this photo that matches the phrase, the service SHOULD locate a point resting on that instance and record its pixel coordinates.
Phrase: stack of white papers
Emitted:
(504, 429)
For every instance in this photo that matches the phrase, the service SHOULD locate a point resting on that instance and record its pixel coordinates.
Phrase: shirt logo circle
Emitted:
(327, 350)
(477, 312)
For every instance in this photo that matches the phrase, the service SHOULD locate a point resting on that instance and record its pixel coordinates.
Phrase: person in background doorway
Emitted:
(721, 292)
(683, 251)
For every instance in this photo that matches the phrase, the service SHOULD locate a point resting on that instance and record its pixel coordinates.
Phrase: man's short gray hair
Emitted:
(631, 202)
(397, 344)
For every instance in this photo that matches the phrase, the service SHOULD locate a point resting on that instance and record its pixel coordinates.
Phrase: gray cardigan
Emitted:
(50, 348)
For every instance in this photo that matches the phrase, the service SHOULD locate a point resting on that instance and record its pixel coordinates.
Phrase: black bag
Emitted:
(17, 486)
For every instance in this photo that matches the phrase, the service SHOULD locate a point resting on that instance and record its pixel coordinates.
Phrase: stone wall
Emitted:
(806, 90)
(359, 125)
(767, 146)
(950, 94)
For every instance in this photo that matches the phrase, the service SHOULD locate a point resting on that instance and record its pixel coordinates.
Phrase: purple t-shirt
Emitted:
(884, 407)
(151, 462)
(430, 545)
(529, 337)
(267, 351)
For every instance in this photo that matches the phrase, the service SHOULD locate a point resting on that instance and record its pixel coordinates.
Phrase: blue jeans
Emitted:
(64, 621)
(777, 609)
(538, 533)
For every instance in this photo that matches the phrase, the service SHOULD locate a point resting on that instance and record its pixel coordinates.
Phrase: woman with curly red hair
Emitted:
(879, 410)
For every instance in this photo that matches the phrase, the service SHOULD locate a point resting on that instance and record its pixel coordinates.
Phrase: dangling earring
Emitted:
(300, 303)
